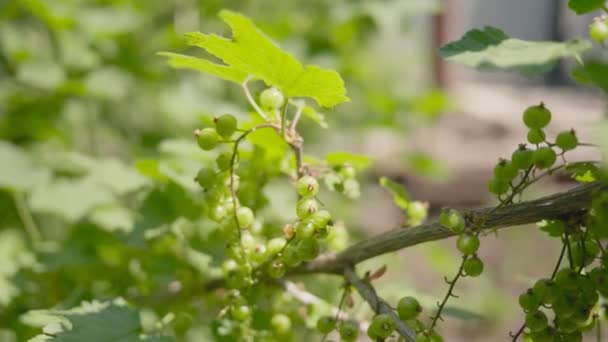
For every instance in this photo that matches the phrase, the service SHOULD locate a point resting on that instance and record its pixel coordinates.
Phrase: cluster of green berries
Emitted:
(598, 30)
(342, 179)
(305, 236)
(524, 160)
(467, 243)
(381, 326)
(573, 293)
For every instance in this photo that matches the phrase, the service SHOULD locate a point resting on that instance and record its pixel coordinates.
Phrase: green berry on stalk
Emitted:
(245, 217)
(536, 136)
(259, 253)
(225, 125)
(240, 312)
(308, 249)
(275, 245)
(218, 213)
(498, 186)
(452, 219)
(544, 157)
(306, 207)
(473, 266)
(326, 324)
(207, 138)
(566, 140)
(271, 98)
(408, 308)
(522, 158)
(276, 269)
(505, 170)
(467, 243)
(281, 324)
(223, 161)
(598, 30)
(349, 330)
(536, 321)
(320, 219)
(545, 290)
(529, 301)
(537, 116)
(291, 257)
(307, 186)
(205, 178)
(382, 325)
(305, 229)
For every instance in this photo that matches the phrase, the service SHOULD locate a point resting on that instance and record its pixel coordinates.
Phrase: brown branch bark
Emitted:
(554, 206)
(367, 292)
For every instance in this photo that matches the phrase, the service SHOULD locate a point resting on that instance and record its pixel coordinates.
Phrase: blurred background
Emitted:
(87, 109)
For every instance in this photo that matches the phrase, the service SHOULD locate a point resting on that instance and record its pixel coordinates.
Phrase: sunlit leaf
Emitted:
(18, 172)
(358, 161)
(585, 6)
(400, 196)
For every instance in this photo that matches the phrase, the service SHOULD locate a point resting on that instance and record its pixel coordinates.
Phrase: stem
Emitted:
(296, 117)
(284, 117)
(26, 218)
(368, 293)
(345, 293)
(251, 100)
(449, 294)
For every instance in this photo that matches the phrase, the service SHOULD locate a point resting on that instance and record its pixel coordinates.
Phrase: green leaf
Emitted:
(117, 176)
(583, 172)
(71, 200)
(315, 116)
(91, 321)
(113, 218)
(150, 169)
(594, 72)
(358, 161)
(585, 6)
(18, 172)
(490, 48)
(252, 53)
(14, 255)
(400, 196)
(462, 313)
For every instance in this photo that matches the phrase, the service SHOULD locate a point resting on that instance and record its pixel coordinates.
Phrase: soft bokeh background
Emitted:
(86, 102)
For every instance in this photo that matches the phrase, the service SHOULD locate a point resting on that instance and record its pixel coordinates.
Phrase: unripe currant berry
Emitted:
(306, 207)
(326, 324)
(416, 212)
(206, 178)
(408, 308)
(473, 266)
(259, 254)
(291, 257)
(382, 326)
(245, 217)
(467, 243)
(452, 219)
(544, 157)
(505, 170)
(566, 140)
(308, 249)
(281, 324)
(536, 321)
(349, 330)
(320, 219)
(223, 161)
(537, 116)
(536, 136)
(529, 301)
(271, 98)
(598, 30)
(276, 269)
(207, 138)
(522, 157)
(225, 125)
(498, 186)
(275, 245)
(305, 229)
(307, 186)
(240, 312)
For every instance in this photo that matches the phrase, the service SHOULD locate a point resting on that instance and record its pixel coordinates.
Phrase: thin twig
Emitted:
(296, 117)
(251, 100)
(368, 293)
(26, 218)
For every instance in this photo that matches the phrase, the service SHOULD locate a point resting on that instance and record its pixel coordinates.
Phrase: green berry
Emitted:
(382, 325)
(276, 269)
(467, 243)
(223, 161)
(536, 136)
(281, 324)
(205, 178)
(416, 212)
(307, 186)
(505, 170)
(306, 207)
(271, 98)
(522, 157)
(544, 157)
(308, 249)
(240, 312)
(536, 321)
(320, 219)
(598, 30)
(259, 254)
(473, 266)
(408, 308)
(349, 330)
(245, 217)
(545, 290)
(207, 138)
(225, 125)
(275, 245)
(291, 257)
(529, 301)
(498, 186)
(452, 219)
(537, 116)
(326, 324)
(218, 213)
(305, 229)
(182, 323)
(566, 140)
